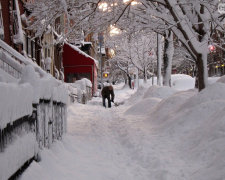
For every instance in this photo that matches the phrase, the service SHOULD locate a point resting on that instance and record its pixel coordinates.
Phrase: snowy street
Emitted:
(122, 143)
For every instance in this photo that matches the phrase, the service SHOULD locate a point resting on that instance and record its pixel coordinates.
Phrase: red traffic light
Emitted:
(212, 48)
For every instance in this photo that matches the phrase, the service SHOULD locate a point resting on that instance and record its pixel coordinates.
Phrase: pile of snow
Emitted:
(221, 79)
(83, 88)
(212, 80)
(199, 125)
(182, 82)
(143, 107)
(82, 84)
(138, 94)
(159, 92)
(169, 106)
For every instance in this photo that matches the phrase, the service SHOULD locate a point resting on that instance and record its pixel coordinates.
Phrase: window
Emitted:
(46, 52)
(1, 24)
(33, 49)
(25, 40)
(28, 46)
(15, 20)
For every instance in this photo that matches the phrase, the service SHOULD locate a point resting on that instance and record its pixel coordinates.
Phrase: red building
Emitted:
(77, 65)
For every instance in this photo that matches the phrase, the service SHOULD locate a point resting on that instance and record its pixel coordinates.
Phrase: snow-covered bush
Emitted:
(83, 89)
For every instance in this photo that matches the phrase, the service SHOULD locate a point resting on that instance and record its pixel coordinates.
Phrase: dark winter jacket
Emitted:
(107, 91)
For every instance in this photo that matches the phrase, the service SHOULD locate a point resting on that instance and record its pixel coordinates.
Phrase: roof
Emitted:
(82, 52)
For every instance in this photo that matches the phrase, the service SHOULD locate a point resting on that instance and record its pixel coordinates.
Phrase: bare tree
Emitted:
(138, 49)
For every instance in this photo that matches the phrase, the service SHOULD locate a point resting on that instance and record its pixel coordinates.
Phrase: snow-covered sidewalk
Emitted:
(159, 133)
(104, 144)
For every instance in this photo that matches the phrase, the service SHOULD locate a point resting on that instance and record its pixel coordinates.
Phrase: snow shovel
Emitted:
(117, 103)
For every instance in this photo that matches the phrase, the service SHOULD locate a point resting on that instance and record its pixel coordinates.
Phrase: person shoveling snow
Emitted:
(108, 93)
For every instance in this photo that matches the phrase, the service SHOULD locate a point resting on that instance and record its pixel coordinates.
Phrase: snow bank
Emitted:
(143, 107)
(82, 84)
(195, 124)
(221, 79)
(159, 92)
(206, 144)
(212, 80)
(182, 82)
(83, 89)
(199, 125)
(168, 106)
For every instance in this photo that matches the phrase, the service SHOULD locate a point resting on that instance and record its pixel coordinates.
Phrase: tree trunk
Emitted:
(159, 59)
(145, 75)
(129, 80)
(167, 59)
(202, 74)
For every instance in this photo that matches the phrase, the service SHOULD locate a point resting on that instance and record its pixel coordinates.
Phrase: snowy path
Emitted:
(104, 144)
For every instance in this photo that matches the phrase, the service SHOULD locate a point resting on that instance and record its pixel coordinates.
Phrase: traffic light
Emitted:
(212, 48)
(105, 74)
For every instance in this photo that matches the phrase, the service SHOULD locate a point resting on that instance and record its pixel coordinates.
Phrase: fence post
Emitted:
(1, 140)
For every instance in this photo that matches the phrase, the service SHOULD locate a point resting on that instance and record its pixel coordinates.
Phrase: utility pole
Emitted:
(100, 40)
(159, 59)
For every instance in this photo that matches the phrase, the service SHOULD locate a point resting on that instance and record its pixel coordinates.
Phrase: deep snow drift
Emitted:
(159, 133)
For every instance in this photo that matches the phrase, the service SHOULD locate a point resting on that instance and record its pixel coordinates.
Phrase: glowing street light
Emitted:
(114, 30)
(132, 3)
(103, 6)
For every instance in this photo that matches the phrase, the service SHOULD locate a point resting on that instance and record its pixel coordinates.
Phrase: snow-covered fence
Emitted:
(51, 122)
(32, 113)
(11, 61)
(9, 69)
(28, 124)
(17, 127)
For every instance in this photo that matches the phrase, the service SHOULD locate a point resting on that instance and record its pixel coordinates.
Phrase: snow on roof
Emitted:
(82, 52)
(86, 42)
